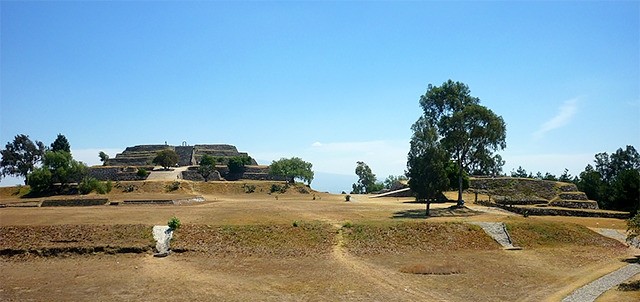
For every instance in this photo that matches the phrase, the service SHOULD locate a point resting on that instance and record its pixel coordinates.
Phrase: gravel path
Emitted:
(497, 231)
(593, 290)
(612, 233)
(162, 234)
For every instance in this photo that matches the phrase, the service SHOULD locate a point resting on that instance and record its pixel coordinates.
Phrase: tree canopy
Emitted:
(20, 157)
(237, 164)
(426, 164)
(166, 158)
(466, 130)
(367, 181)
(207, 166)
(614, 181)
(292, 169)
(57, 168)
(104, 158)
(61, 144)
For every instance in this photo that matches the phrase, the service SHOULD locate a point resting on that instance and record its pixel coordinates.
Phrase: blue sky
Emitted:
(331, 82)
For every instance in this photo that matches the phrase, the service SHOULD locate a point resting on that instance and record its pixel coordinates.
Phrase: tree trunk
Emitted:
(460, 201)
(428, 205)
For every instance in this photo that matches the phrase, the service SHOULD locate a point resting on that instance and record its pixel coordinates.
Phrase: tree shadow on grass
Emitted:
(452, 211)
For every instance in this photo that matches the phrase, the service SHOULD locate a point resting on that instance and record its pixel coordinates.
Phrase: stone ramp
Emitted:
(593, 290)
(174, 174)
(498, 231)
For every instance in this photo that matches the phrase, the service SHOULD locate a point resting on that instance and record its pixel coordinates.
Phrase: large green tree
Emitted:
(20, 157)
(292, 169)
(58, 170)
(469, 132)
(367, 181)
(166, 158)
(426, 164)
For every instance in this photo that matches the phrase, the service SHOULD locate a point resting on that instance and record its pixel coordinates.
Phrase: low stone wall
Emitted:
(117, 173)
(194, 175)
(567, 212)
(75, 202)
(573, 196)
(553, 211)
(149, 201)
(575, 204)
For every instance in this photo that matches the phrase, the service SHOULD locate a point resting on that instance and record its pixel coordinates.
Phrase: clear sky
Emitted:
(331, 82)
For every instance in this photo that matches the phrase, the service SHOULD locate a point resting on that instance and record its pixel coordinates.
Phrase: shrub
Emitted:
(347, 197)
(142, 172)
(108, 186)
(347, 224)
(276, 188)
(630, 286)
(129, 188)
(249, 188)
(174, 186)
(296, 224)
(87, 185)
(90, 184)
(174, 223)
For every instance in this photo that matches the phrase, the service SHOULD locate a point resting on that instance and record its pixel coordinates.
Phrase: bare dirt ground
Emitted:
(244, 247)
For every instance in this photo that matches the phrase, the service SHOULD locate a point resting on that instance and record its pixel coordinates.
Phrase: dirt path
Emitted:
(382, 278)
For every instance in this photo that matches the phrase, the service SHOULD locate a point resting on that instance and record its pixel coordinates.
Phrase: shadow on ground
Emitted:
(452, 211)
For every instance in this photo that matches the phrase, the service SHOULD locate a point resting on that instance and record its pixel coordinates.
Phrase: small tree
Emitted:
(20, 157)
(61, 144)
(426, 164)
(166, 158)
(521, 172)
(292, 169)
(104, 158)
(394, 182)
(207, 166)
(236, 164)
(367, 181)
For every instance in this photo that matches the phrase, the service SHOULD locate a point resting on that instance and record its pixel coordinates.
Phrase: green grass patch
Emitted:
(286, 240)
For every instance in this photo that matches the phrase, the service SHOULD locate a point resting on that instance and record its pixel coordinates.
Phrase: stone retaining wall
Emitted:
(75, 202)
(117, 173)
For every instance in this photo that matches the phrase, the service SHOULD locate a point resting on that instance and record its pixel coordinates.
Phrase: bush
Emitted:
(87, 185)
(142, 172)
(249, 188)
(174, 186)
(347, 197)
(108, 186)
(296, 224)
(630, 286)
(90, 184)
(276, 188)
(174, 223)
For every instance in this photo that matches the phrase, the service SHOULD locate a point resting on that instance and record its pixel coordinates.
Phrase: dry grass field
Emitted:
(256, 247)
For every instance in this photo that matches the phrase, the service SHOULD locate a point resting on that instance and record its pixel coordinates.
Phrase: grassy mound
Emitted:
(395, 238)
(552, 234)
(304, 239)
(54, 240)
